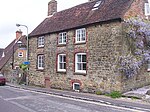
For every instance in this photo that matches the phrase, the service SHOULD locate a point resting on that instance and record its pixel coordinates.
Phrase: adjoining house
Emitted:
(12, 56)
(1, 53)
(79, 48)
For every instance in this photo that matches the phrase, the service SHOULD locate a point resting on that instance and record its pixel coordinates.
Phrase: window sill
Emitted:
(61, 45)
(42, 70)
(40, 47)
(80, 43)
(63, 72)
(80, 73)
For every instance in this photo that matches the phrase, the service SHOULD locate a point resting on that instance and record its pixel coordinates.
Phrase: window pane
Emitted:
(76, 86)
(78, 58)
(84, 66)
(60, 39)
(60, 58)
(60, 66)
(64, 58)
(79, 66)
(83, 58)
(64, 65)
(64, 39)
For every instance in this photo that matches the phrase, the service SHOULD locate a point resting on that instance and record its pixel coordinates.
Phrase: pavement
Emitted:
(141, 93)
(128, 102)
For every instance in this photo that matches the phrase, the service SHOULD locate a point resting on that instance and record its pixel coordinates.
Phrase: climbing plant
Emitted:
(138, 35)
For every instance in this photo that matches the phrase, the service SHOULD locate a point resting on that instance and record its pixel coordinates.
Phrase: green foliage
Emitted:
(114, 94)
(23, 67)
(99, 93)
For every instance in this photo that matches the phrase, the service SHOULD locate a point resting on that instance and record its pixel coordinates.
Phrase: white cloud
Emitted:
(28, 12)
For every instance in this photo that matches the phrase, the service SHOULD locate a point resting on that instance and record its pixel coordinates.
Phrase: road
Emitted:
(19, 100)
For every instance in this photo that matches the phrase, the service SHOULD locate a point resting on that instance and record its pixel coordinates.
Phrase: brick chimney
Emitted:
(52, 7)
(18, 34)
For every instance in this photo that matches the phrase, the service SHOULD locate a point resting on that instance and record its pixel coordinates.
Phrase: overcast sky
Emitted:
(27, 12)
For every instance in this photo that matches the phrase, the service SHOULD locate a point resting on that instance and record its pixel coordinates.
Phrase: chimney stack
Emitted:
(52, 7)
(18, 34)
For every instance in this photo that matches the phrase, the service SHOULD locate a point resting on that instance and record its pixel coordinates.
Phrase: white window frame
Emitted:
(97, 4)
(20, 54)
(40, 62)
(16, 67)
(76, 63)
(62, 39)
(41, 41)
(148, 66)
(61, 62)
(147, 9)
(74, 86)
(80, 35)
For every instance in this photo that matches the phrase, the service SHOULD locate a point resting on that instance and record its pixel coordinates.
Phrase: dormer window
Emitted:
(41, 41)
(96, 6)
(147, 9)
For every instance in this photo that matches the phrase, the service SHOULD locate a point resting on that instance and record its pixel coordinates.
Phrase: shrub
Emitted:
(115, 94)
(98, 93)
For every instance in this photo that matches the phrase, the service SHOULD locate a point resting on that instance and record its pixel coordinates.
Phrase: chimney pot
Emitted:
(52, 7)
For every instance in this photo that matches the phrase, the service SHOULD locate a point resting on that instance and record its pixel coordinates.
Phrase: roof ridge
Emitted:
(81, 15)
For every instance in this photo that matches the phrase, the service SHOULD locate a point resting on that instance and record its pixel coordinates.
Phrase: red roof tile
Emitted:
(82, 15)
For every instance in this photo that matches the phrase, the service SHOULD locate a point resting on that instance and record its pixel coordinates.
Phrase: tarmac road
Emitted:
(20, 100)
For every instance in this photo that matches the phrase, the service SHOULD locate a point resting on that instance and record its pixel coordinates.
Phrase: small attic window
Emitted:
(97, 4)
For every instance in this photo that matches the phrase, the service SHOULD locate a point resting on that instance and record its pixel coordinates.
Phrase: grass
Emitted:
(114, 94)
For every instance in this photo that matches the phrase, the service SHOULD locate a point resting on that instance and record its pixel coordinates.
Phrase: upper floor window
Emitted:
(40, 62)
(62, 38)
(80, 35)
(147, 9)
(61, 62)
(41, 41)
(20, 54)
(80, 62)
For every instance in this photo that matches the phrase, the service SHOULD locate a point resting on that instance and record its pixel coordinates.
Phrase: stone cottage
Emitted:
(12, 56)
(79, 48)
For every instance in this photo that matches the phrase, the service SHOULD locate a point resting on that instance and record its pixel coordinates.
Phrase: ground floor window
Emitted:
(76, 86)
(80, 62)
(40, 62)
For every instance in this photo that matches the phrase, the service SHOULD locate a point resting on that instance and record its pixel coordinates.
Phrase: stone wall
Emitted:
(11, 72)
(103, 47)
(105, 44)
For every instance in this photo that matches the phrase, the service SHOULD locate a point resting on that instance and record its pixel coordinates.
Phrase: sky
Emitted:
(27, 12)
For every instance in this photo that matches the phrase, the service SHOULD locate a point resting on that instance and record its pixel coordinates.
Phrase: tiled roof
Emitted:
(1, 52)
(83, 15)
(9, 50)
